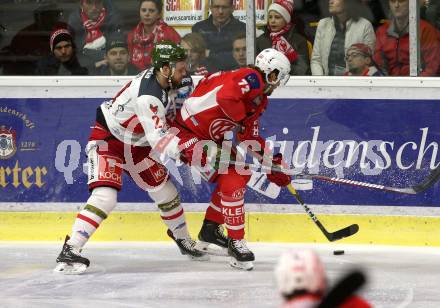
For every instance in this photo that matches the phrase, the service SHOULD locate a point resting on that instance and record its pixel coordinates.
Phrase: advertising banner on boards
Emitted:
(389, 142)
(185, 13)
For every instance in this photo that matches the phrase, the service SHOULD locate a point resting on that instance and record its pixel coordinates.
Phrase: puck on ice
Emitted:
(338, 252)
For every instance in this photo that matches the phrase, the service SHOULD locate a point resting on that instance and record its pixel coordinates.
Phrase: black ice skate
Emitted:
(70, 261)
(241, 256)
(187, 247)
(212, 239)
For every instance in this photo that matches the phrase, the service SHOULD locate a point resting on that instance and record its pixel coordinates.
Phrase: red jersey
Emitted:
(223, 101)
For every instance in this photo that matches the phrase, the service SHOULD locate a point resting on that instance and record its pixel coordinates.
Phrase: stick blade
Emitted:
(430, 180)
(343, 233)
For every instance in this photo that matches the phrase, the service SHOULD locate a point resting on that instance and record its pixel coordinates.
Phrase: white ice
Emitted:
(146, 274)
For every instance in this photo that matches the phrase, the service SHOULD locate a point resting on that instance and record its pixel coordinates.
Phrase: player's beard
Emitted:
(268, 89)
(174, 83)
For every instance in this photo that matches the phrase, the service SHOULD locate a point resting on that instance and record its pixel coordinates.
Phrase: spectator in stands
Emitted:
(31, 43)
(218, 31)
(281, 34)
(62, 60)
(430, 11)
(239, 50)
(302, 281)
(373, 11)
(392, 48)
(307, 14)
(336, 33)
(195, 48)
(360, 62)
(117, 59)
(92, 23)
(150, 30)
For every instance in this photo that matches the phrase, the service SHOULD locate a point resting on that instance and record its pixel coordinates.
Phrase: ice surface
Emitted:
(124, 274)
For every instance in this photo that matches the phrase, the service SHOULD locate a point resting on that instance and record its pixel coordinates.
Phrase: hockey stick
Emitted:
(331, 236)
(345, 288)
(426, 183)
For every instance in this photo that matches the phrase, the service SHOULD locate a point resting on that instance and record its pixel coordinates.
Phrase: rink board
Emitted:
(383, 131)
(260, 227)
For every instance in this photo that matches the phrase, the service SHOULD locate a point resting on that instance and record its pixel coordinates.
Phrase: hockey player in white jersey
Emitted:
(126, 130)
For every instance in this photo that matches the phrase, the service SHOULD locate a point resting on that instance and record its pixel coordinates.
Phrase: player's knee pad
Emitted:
(166, 196)
(102, 201)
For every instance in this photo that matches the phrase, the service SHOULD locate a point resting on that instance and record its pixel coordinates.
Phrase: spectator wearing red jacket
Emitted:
(150, 30)
(392, 43)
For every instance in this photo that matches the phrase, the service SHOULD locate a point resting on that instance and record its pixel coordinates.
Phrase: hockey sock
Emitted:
(86, 223)
(233, 213)
(171, 211)
(232, 187)
(173, 216)
(214, 210)
(101, 202)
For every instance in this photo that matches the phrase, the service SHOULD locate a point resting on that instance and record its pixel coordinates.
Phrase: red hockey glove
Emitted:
(196, 152)
(249, 130)
(279, 178)
(190, 152)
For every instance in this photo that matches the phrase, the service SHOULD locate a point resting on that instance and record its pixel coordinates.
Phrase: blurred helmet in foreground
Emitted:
(300, 271)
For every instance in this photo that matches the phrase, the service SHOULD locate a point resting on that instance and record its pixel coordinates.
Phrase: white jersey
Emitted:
(137, 114)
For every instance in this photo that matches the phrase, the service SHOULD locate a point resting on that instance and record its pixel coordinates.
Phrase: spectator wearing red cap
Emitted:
(392, 49)
(62, 60)
(336, 33)
(281, 34)
(150, 30)
(360, 62)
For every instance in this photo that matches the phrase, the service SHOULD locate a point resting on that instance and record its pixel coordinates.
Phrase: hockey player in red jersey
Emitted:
(223, 102)
(302, 281)
(126, 130)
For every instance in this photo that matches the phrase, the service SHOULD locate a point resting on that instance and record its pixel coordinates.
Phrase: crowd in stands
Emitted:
(319, 37)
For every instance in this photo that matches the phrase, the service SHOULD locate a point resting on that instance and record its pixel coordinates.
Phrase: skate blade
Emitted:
(211, 249)
(244, 265)
(201, 258)
(70, 269)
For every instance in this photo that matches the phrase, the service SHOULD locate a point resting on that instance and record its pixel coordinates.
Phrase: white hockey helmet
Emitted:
(300, 270)
(271, 59)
